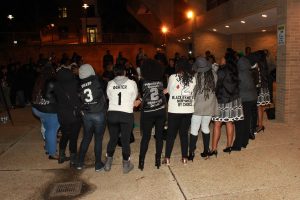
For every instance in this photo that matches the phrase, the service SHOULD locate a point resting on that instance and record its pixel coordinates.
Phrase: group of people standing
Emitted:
(196, 94)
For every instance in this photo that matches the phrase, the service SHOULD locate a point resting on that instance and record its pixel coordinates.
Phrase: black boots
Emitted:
(62, 156)
(206, 139)
(73, 159)
(157, 160)
(192, 147)
(141, 163)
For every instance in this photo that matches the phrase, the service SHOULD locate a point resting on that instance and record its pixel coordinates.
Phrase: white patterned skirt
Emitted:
(263, 98)
(229, 112)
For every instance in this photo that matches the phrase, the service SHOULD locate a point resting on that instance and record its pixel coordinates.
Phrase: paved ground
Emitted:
(268, 169)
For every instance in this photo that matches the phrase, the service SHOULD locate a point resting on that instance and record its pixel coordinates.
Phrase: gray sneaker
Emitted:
(108, 163)
(127, 166)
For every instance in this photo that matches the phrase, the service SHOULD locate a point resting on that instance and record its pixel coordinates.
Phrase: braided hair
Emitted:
(205, 83)
(184, 72)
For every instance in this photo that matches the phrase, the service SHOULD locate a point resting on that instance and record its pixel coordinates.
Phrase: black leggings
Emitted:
(119, 122)
(244, 128)
(148, 119)
(181, 123)
(70, 131)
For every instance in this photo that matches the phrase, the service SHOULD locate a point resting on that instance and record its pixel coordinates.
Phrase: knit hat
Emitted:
(201, 65)
(85, 71)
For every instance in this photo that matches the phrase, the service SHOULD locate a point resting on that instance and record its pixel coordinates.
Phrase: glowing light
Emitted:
(85, 6)
(227, 26)
(243, 22)
(215, 30)
(52, 25)
(190, 14)
(164, 29)
(264, 15)
(183, 39)
(263, 30)
(10, 17)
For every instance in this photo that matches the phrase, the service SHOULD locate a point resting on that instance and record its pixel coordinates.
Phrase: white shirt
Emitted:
(181, 98)
(121, 97)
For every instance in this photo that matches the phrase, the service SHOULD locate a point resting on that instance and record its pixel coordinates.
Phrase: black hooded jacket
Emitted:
(92, 95)
(68, 101)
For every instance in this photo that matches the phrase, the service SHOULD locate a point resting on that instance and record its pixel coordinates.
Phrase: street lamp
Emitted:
(190, 14)
(11, 17)
(52, 32)
(165, 30)
(86, 6)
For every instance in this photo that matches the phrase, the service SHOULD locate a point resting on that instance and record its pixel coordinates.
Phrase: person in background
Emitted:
(153, 109)
(66, 91)
(107, 59)
(180, 108)
(247, 51)
(94, 115)
(122, 93)
(139, 57)
(229, 104)
(44, 106)
(205, 105)
(247, 92)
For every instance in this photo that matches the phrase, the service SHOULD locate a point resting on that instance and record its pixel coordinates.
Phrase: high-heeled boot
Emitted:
(206, 139)
(192, 147)
(141, 163)
(157, 160)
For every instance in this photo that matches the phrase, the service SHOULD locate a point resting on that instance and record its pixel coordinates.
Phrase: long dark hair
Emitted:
(184, 72)
(46, 74)
(152, 70)
(207, 85)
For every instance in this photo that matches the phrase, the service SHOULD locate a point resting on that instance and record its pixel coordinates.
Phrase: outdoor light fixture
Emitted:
(183, 39)
(164, 29)
(15, 42)
(52, 25)
(190, 52)
(263, 30)
(190, 14)
(227, 26)
(243, 22)
(10, 17)
(215, 30)
(189, 38)
(264, 15)
(85, 6)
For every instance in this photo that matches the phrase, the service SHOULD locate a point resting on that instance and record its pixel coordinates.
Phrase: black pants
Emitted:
(181, 123)
(156, 118)
(244, 127)
(70, 132)
(119, 122)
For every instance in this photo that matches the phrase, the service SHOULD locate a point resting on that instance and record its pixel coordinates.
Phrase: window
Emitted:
(62, 12)
(92, 34)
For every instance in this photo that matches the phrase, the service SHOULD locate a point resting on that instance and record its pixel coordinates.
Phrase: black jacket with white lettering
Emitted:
(153, 97)
(92, 95)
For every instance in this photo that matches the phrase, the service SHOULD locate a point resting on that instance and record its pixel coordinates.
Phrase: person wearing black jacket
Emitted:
(229, 104)
(153, 109)
(66, 91)
(94, 114)
(44, 106)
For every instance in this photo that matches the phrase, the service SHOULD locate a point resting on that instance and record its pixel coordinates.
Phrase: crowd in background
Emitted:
(183, 93)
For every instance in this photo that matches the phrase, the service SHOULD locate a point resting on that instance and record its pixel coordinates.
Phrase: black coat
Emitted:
(67, 95)
(227, 88)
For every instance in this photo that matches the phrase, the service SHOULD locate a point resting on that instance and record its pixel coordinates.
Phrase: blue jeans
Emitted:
(51, 125)
(94, 124)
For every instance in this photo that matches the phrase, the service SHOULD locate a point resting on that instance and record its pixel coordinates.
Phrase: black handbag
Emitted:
(270, 113)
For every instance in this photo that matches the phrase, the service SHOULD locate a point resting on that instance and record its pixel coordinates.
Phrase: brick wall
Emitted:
(92, 54)
(214, 42)
(288, 70)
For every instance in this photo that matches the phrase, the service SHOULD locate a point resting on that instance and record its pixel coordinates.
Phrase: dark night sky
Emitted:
(30, 15)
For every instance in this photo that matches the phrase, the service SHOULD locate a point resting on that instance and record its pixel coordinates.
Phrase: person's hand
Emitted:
(136, 103)
(165, 91)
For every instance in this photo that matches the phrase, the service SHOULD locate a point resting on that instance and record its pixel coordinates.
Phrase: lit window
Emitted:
(91, 34)
(62, 12)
